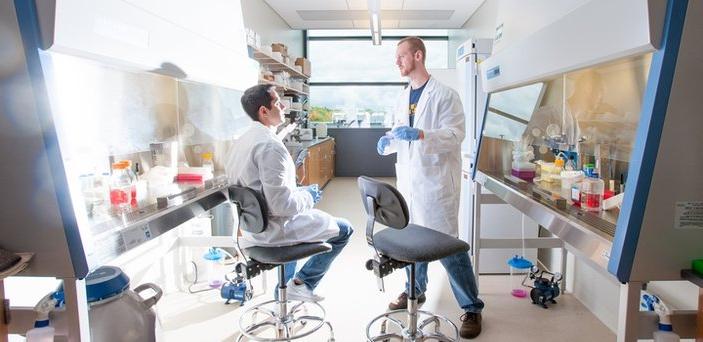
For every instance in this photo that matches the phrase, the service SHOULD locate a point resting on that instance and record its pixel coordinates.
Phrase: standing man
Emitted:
(260, 161)
(428, 127)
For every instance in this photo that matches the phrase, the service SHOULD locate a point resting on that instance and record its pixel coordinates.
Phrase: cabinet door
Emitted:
(327, 154)
(333, 155)
(312, 166)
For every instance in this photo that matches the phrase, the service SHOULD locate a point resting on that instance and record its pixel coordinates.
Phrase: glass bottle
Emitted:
(207, 161)
(133, 177)
(120, 186)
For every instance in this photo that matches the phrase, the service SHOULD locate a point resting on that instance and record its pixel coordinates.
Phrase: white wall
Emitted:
(480, 25)
(269, 25)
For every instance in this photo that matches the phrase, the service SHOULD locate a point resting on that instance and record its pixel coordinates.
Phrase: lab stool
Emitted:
(290, 320)
(403, 244)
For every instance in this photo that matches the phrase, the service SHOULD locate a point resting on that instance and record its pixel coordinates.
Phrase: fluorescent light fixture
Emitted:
(375, 16)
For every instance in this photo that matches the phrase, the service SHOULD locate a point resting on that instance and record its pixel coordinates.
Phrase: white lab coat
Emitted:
(428, 170)
(260, 161)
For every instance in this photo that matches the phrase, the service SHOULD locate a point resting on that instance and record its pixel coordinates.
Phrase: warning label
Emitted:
(689, 215)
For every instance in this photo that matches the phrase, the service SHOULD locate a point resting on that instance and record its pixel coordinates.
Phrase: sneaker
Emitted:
(301, 293)
(402, 301)
(471, 325)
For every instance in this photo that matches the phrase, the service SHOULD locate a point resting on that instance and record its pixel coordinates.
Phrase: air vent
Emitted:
(315, 15)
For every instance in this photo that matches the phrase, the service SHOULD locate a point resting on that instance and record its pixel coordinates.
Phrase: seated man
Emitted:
(259, 160)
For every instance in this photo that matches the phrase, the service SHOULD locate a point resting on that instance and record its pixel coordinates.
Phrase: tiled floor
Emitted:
(352, 298)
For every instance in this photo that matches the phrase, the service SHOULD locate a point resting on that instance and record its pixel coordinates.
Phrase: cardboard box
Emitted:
(305, 63)
(280, 47)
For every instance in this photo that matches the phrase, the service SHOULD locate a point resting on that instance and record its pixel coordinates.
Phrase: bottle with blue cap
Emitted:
(665, 332)
(42, 331)
(213, 261)
(518, 266)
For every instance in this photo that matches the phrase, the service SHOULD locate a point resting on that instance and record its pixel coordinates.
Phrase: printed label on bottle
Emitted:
(575, 194)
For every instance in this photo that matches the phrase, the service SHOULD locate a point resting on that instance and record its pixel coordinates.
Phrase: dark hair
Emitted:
(255, 97)
(416, 44)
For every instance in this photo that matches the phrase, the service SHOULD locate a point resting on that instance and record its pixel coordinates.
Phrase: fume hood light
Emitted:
(374, 11)
(376, 39)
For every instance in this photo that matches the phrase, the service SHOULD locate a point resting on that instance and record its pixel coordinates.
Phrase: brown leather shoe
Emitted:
(402, 301)
(471, 325)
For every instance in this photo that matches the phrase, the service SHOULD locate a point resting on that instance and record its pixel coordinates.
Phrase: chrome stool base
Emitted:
(407, 336)
(294, 324)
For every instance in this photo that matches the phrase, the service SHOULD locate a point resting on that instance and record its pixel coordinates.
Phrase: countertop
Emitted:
(356, 128)
(294, 146)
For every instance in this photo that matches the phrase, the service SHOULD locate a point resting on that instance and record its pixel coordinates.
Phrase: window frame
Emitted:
(307, 39)
(368, 38)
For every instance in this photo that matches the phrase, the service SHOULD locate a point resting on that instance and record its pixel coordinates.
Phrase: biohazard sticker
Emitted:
(689, 215)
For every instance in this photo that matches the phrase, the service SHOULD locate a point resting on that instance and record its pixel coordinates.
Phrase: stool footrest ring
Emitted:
(404, 335)
(291, 325)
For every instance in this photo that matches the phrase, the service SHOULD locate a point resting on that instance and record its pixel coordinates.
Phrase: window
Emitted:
(356, 82)
(353, 105)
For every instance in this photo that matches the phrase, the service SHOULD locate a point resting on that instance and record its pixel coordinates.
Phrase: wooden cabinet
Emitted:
(319, 165)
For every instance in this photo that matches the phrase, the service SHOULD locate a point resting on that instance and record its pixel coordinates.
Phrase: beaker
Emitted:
(519, 266)
(213, 267)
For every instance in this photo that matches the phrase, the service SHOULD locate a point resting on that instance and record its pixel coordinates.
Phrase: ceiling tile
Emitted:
(291, 10)
(385, 4)
(362, 24)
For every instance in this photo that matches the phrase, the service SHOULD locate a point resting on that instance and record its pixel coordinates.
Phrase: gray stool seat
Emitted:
(286, 254)
(281, 319)
(403, 244)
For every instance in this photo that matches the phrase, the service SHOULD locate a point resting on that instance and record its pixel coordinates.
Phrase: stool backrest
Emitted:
(388, 207)
(251, 208)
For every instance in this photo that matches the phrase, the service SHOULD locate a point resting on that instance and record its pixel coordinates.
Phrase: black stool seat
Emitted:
(286, 254)
(417, 244)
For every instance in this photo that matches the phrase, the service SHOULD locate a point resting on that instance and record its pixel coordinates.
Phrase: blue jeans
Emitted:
(311, 273)
(461, 278)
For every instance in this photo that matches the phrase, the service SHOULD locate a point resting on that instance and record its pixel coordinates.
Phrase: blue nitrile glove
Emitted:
(383, 142)
(315, 191)
(406, 133)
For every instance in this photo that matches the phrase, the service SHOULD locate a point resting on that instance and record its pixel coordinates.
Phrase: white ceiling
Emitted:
(353, 14)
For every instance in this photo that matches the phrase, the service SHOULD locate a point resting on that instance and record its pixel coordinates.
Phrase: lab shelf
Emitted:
(692, 277)
(285, 88)
(274, 64)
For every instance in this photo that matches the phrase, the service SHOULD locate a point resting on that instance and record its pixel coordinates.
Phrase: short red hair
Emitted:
(416, 44)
